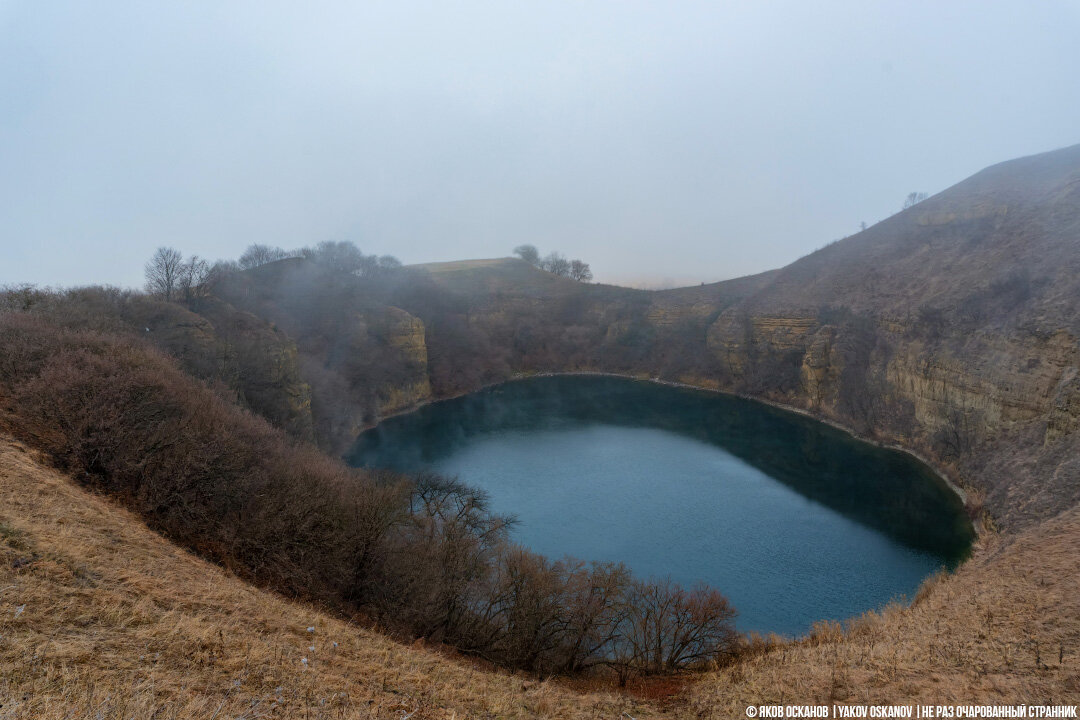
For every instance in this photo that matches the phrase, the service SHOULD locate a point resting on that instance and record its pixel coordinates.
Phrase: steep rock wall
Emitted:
(997, 410)
(403, 334)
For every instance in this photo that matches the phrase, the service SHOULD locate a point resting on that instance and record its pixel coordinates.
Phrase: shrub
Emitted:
(425, 556)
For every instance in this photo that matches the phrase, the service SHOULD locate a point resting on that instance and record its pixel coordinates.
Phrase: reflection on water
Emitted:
(794, 519)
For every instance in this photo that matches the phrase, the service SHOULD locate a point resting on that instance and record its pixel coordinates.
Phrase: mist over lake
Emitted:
(794, 520)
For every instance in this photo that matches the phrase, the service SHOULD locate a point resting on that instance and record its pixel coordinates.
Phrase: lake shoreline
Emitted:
(934, 467)
(485, 438)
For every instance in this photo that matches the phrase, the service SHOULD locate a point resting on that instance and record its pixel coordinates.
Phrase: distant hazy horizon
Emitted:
(665, 144)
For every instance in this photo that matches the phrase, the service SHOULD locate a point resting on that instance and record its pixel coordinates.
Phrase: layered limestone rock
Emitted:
(265, 367)
(738, 340)
(946, 393)
(261, 364)
(821, 368)
(1005, 381)
(286, 380)
(671, 315)
(1064, 417)
(404, 336)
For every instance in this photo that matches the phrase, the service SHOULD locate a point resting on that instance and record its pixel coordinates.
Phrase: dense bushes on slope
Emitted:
(423, 556)
(249, 362)
(121, 417)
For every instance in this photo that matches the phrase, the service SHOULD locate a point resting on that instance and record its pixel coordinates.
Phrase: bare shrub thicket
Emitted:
(424, 556)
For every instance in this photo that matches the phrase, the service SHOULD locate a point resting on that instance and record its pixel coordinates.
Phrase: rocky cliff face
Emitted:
(1006, 381)
(951, 328)
(1064, 415)
(403, 335)
(994, 409)
(361, 357)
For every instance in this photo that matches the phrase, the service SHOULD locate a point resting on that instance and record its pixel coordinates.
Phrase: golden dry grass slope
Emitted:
(1004, 629)
(102, 618)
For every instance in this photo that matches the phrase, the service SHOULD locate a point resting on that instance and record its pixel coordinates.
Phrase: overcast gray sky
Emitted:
(660, 141)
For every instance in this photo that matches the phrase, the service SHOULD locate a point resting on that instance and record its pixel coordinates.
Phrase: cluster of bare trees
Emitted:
(170, 276)
(345, 256)
(914, 198)
(472, 588)
(341, 255)
(555, 263)
(450, 575)
(256, 255)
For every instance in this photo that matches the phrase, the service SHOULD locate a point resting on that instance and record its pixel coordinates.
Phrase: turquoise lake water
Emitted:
(795, 521)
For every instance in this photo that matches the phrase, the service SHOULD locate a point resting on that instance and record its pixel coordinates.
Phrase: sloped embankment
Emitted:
(102, 618)
(1004, 629)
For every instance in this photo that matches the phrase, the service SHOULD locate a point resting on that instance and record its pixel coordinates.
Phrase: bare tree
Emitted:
(163, 272)
(341, 255)
(344, 256)
(594, 609)
(388, 264)
(528, 253)
(193, 276)
(668, 627)
(556, 264)
(257, 255)
(580, 271)
(914, 198)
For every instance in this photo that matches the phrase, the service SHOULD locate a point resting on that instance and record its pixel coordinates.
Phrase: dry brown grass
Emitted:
(1004, 629)
(102, 618)
(119, 623)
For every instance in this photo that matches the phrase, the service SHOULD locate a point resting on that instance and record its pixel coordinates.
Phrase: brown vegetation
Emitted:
(117, 623)
(423, 557)
(1004, 629)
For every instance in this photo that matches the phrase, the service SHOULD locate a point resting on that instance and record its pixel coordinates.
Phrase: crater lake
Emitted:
(794, 520)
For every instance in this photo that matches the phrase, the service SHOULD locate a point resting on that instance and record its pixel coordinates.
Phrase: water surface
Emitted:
(794, 520)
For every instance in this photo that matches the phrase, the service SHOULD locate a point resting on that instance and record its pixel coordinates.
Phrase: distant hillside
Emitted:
(370, 347)
(950, 328)
(485, 277)
(1000, 248)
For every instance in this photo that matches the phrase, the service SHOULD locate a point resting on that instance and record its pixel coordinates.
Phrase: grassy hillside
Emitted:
(102, 619)
(423, 556)
(1004, 629)
(1000, 248)
(950, 328)
(116, 622)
